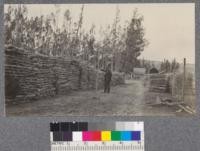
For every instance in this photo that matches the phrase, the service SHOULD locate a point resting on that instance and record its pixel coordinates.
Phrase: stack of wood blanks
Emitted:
(159, 83)
(30, 76)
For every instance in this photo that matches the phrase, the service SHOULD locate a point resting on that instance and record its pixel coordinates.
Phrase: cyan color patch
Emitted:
(125, 135)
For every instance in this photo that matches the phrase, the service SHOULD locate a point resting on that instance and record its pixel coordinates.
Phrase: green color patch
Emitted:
(115, 135)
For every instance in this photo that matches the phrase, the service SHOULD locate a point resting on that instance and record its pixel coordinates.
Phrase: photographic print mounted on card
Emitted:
(100, 59)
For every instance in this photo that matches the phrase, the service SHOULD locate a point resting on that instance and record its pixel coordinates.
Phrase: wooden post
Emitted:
(19, 34)
(112, 60)
(97, 74)
(173, 84)
(183, 84)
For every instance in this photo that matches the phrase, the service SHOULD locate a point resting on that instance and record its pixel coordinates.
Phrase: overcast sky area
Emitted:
(169, 28)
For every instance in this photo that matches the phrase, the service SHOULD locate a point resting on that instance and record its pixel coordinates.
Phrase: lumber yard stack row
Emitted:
(30, 76)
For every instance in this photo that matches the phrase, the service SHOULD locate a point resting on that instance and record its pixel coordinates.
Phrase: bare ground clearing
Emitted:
(125, 100)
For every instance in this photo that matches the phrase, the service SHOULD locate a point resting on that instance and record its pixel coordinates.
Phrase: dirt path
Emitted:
(124, 100)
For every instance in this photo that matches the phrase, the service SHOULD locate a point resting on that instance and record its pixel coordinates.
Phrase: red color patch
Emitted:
(96, 136)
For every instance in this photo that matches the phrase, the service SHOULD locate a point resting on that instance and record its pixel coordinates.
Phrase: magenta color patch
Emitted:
(87, 136)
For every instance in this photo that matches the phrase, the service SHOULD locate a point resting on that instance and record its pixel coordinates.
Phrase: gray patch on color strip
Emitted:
(101, 126)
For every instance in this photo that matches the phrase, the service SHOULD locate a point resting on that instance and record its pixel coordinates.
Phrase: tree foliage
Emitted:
(167, 66)
(119, 45)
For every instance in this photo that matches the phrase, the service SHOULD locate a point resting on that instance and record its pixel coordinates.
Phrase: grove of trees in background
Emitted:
(119, 45)
(167, 66)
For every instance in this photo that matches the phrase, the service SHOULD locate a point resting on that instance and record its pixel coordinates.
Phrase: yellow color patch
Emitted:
(105, 135)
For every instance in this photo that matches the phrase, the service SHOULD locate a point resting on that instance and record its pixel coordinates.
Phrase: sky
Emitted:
(169, 28)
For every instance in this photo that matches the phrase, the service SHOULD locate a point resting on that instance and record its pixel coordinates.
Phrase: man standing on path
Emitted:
(107, 79)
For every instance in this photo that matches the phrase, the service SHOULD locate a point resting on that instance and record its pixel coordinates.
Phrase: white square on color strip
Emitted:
(77, 136)
(139, 126)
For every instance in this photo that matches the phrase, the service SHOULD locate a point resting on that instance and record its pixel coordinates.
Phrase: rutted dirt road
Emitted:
(123, 100)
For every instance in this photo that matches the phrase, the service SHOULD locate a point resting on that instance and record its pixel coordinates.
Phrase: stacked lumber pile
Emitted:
(159, 83)
(189, 88)
(28, 76)
(31, 76)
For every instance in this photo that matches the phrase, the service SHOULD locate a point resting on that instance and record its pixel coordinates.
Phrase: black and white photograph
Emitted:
(100, 59)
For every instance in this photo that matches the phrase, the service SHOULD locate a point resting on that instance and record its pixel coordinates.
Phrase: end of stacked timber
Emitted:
(30, 76)
(159, 83)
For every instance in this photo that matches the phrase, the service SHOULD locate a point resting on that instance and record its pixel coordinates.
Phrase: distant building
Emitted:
(153, 70)
(138, 72)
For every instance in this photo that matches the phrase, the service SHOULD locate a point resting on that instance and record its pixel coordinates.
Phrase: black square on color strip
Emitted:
(54, 127)
(73, 126)
(82, 126)
(64, 126)
(51, 126)
(57, 136)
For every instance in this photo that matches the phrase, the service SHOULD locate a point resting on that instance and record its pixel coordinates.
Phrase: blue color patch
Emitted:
(136, 135)
(125, 135)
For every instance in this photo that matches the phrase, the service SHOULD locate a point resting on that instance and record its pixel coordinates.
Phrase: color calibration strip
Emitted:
(109, 136)
(97, 136)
